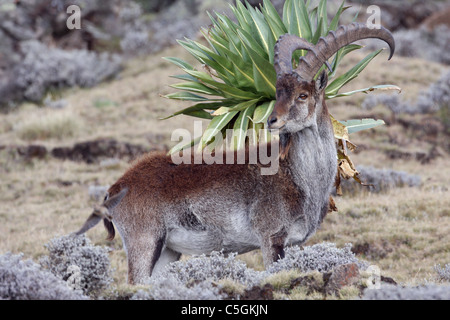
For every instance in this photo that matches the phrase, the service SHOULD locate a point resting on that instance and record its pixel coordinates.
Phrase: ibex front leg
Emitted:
(272, 246)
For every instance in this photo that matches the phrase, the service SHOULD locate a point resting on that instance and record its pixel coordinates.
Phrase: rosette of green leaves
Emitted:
(235, 87)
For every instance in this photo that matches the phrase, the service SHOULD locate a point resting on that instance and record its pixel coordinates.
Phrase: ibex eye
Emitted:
(302, 97)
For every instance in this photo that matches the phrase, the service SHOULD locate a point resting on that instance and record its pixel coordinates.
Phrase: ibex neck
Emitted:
(312, 158)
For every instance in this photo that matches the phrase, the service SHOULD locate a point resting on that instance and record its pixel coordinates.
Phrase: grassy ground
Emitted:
(404, 231)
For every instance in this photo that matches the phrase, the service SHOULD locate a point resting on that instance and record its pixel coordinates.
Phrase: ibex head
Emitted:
(298, 93)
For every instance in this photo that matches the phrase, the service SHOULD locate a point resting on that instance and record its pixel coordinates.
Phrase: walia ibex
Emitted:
(163, 210)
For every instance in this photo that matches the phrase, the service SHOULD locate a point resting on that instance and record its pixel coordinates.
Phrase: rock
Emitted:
(437, 18)
(312, 283)
(97, 150)
(32, 151)
(341, 276)
(258, 293)
(373, 250)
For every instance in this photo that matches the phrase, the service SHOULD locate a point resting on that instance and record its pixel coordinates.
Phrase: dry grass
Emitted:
(405, 230)
(47, 125)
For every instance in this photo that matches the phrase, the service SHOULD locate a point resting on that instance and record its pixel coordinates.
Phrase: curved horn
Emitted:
(310, 64)
(284, 48)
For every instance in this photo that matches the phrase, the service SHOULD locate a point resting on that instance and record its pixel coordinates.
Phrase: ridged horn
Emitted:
(326, 47)
(284, 48)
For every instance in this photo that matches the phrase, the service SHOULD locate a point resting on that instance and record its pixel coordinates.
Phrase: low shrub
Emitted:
(75, 259)
(381, 180)
(322, 257)
(215, 266)
(171, 288)
(26, 280)
(443, 272)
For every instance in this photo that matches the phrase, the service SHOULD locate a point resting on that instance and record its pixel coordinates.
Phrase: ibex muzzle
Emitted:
(171, 209)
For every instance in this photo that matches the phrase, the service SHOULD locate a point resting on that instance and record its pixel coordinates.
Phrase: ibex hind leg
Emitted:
(144, 250)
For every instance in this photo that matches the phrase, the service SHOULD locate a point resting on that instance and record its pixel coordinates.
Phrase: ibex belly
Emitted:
(234, 235)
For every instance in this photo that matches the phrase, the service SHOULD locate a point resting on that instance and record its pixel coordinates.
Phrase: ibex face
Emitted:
(297, 93)
(297, 100)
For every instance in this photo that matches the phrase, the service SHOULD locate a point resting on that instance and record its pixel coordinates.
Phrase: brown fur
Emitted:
(156, 171)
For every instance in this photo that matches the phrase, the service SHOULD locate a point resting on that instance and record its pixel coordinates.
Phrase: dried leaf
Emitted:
(332, 205)
(340, 131)
(337, 183)
(346, 169)
(351, 146)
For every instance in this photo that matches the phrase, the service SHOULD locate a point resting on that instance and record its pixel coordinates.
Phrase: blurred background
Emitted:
(77, 106)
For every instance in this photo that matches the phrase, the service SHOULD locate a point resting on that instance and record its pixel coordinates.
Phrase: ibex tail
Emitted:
(104, 212)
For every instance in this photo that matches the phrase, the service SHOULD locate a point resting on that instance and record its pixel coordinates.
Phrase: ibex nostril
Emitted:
(272, 120)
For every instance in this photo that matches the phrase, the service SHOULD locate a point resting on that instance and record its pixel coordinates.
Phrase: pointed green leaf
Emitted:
(243, 72)
(178, 147)
(197, 107)
(197, 54)
(334, 87)
(273, 18)
(179, 62)
(199, 114)
(340, 55)
(323, 16)
(287, 13)
(301, 25)
(185, 96)
(195, 87)
(227, 91)
(240, 127)
(248, 40)
(244, 105)
(334, 23)
(263, 111)
(263, 73)
(215, 126)
(276, 30)
(185, 77)
(364, 124)
(262, 30)
(367, 90)
(245, 21)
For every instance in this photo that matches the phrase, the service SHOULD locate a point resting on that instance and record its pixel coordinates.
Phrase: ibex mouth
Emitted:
(275, 128)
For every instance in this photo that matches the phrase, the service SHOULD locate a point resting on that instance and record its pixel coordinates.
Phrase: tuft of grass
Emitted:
(50, 125)
(281, 281)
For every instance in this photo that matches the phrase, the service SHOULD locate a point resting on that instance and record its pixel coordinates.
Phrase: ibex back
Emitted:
(168, 210)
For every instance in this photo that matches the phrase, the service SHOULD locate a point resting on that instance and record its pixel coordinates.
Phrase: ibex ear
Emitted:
(115, 200)
(321, 82)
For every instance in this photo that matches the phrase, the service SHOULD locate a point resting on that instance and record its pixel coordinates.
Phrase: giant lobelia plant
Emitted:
(235, 87)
